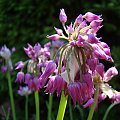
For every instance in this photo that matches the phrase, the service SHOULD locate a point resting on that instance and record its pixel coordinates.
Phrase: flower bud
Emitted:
(62, 16)
(79, 20)
(53, 37)
(59, 31)
(19, 65)
(70, 29)
(20, 77)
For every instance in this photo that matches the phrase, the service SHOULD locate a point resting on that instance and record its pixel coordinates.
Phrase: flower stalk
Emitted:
(95, 102)
(62, 106)
(26, 107)
(70, 110)
(11, 95)
(37, 105)
(50, 107)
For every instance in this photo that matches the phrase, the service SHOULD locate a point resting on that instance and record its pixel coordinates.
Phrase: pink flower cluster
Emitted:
(79, 69)
(39, 67)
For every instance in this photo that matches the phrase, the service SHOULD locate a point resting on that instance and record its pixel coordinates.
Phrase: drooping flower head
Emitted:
(79, 57)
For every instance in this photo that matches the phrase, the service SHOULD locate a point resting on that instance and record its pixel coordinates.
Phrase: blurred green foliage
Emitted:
(29, 21)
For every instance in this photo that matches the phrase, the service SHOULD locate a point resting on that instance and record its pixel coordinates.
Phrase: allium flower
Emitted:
(6, 53)
(80, 59)
(39, 66)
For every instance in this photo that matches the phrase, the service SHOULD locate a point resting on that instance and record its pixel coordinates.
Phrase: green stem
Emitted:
(26, 107)
(37, 105)
(95, 102)
(11, 95)
(62, 106)
(50, 107)
(81, 112)
(70, 110)
(108, 110)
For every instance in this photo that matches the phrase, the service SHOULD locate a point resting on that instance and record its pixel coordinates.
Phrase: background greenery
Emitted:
(29, 21)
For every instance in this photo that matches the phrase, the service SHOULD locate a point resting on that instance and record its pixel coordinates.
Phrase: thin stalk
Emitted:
(62, 106)
(81, 112)
(26, 107)
(11, 95)
(50, 107)
(37, 105)
(108, 110)
(70, 110)
(95, 102)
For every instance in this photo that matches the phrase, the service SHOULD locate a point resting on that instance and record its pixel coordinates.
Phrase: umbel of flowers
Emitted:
(80, 74)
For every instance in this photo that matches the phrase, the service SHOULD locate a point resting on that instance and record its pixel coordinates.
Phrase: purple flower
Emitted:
(111, 72)
(13, 49)
(92, 39)
(62, 16)
(50, 68)
(50, 85)
(79, 20)
(70, 29)
(100, 69)
(20, 77)
(59, 31)
(19, 65)
(95, 23)
(101, 97)
(82, 89)
(4, 69)
(54, 37)
(88, 103)
(59, 84)
(92, 63)
(90, 17)
(33, 84)
(27, 78)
